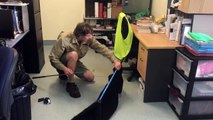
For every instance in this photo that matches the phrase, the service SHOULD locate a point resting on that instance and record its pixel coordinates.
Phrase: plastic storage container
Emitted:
(195, 107)
(183, 63)
(201, 108)
(175, 101)
(200, 89)
(204, 67)
(180, 83)
(203, 89)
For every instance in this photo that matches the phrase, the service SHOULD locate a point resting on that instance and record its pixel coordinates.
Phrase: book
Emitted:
(96, 9)
(100, 10)
(184, 30)
(173, 31)
(109, 10)
(196, 53)
(18, 21)
(6, 29)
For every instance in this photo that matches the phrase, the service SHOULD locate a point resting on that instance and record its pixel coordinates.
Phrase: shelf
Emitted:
(94, 18)
(12, 42)
(103, 30)
(13, 4)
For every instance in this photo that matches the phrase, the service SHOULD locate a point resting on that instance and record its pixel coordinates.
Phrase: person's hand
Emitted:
(68, 71)
(117, 65)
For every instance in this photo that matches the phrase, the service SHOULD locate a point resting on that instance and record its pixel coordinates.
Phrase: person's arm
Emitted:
(102, 49)
(56, 53)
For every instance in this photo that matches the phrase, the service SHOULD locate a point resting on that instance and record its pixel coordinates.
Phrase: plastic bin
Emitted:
(179, 82)
(204, 68)
(203, 107)
(175, 101)
(183, 63)
(200, 88)
(203, 89)
(22, 90)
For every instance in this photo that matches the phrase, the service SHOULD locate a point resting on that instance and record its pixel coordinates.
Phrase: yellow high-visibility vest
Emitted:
(122, 45)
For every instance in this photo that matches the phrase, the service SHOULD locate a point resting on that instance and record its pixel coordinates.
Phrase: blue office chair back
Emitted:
(8, 60)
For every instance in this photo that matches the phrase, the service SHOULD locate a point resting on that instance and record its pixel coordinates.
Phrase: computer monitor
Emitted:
(135, 6)
(6, 24)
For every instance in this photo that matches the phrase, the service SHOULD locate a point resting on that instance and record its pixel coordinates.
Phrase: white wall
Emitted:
(58, 15)
(159, 7)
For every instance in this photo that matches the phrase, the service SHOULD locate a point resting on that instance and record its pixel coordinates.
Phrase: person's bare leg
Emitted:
(89, 76)
(72, 58)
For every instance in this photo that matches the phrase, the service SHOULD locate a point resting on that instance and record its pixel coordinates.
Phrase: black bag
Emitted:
(107, 102)
(22, 89)
(23, 84)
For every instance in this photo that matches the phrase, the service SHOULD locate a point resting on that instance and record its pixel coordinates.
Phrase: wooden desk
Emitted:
(154, 41)
(156, 56)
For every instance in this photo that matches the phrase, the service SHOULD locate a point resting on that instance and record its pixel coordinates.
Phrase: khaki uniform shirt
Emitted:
(67, 42)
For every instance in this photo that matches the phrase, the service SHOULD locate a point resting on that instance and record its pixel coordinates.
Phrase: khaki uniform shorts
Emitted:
(80, 67)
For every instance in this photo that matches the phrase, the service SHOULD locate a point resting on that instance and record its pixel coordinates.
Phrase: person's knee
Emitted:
(72, 56)
(89, 76)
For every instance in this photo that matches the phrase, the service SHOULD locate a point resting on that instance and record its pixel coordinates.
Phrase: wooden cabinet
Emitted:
(156, 57)
(142, 60)
(155, 68)
(196, 6)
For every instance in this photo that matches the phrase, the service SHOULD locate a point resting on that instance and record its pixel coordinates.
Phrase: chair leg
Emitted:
(134, 73)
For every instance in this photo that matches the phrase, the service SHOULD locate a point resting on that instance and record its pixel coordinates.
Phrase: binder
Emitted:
(109, 10)
(6, 24)
(100, 10)
(184, 30)
(96, 9)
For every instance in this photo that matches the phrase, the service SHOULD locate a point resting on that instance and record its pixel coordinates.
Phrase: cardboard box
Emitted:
(116, 10)
(196, 6)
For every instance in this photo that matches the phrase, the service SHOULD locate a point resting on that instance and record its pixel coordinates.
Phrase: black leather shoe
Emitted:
(73, 90)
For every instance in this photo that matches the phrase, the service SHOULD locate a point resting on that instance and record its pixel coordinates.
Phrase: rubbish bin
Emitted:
(22, 90)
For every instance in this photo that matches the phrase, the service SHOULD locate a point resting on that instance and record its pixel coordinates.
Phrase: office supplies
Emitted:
(6, 30)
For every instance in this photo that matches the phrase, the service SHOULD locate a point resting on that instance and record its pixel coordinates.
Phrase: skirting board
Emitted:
(49, 42)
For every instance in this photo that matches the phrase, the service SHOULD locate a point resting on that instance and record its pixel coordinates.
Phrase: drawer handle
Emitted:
(141, 59)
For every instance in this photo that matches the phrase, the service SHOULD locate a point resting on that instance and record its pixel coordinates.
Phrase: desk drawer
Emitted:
(142, 61)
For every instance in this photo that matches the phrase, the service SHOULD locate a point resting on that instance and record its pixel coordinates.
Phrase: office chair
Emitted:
(132, 56)
(7, 75)
(133, 52)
